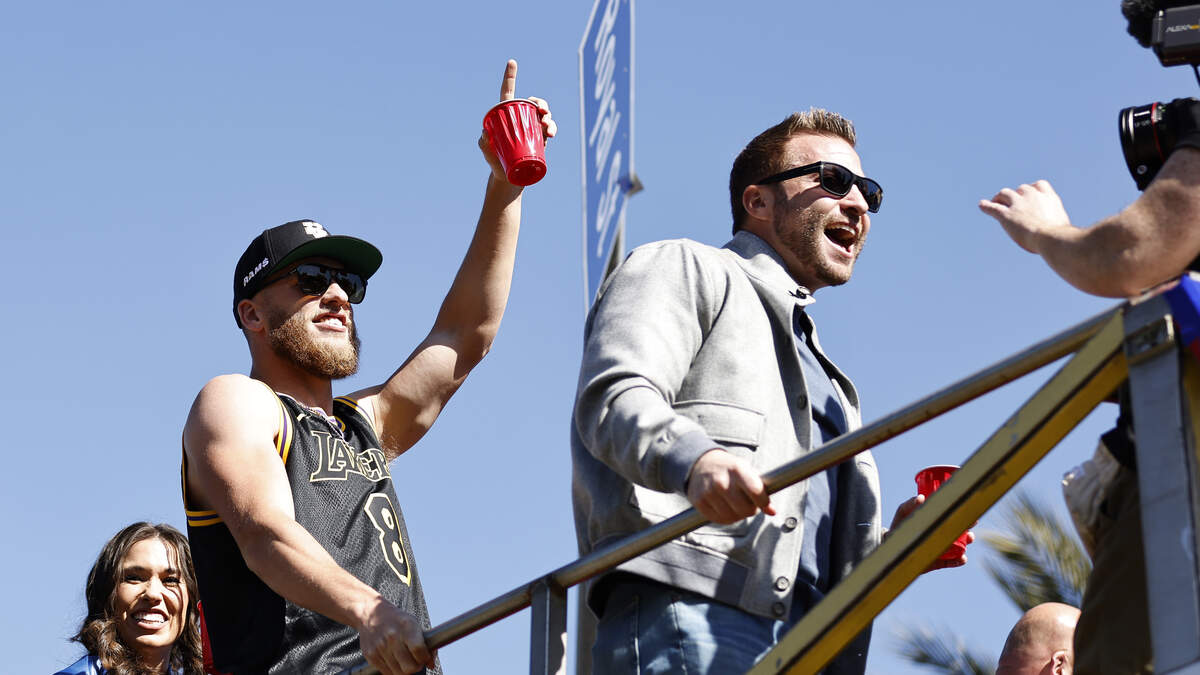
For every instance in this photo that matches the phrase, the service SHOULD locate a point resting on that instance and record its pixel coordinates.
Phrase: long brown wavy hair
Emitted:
(99, 630)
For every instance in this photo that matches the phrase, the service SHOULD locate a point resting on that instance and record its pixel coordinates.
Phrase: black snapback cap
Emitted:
(281, 246)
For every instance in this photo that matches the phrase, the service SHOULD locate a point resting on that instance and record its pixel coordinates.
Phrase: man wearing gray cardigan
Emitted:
(701, 371)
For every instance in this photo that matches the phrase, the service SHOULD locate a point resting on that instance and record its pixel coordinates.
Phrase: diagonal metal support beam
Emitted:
(1090, 376)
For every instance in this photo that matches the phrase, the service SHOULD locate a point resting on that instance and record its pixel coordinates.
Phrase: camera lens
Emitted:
(1140, 127)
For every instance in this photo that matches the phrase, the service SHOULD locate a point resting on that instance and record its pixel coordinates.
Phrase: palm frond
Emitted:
(1035, 557)
(942, 651)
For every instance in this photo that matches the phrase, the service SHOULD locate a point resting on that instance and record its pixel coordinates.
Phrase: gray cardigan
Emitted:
(691, 347)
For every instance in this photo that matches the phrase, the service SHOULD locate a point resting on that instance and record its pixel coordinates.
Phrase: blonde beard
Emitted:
(290, 339)
(803, 238)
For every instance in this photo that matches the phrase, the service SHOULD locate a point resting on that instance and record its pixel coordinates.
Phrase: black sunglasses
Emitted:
(314, 279)
(836, 180)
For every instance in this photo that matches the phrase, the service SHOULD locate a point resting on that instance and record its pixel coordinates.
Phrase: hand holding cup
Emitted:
(929, 479)
(515, 132)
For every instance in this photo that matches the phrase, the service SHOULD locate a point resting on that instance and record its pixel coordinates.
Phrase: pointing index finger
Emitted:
(508, 86)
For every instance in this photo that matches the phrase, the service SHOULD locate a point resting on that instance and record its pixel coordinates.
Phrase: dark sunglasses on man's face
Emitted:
(314, 279)
(836, 180)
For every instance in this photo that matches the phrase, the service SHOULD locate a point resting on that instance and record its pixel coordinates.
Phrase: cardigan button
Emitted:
(782, 583)
(802, 400)
(778, 609)
(790, 523)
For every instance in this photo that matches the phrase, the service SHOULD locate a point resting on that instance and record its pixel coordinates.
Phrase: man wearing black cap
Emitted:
(300, 546)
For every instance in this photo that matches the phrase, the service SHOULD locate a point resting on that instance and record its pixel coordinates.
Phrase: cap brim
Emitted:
(357, 255)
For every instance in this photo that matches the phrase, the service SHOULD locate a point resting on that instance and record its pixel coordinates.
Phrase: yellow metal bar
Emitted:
(1091, 375)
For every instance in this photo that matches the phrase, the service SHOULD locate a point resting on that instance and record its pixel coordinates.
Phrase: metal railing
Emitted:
(1098, 367)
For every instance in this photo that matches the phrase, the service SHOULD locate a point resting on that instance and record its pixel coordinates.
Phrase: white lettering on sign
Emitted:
(603, 134)
(607, 21)
(604, 129)
(607, 207)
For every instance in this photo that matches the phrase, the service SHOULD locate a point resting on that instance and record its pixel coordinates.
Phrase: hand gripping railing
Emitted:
(547, 594)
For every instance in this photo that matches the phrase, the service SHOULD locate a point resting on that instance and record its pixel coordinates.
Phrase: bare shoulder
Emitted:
(232, 404)
(232, 463)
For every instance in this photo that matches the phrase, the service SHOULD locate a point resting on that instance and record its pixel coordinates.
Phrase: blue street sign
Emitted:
(606, 135)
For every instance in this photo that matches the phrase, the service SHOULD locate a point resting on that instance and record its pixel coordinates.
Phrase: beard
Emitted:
(290, 339)
(804, 236)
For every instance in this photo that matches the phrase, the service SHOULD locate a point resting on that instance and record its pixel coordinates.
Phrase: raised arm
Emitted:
(406, 405)
(1150, 241)
(234, 469)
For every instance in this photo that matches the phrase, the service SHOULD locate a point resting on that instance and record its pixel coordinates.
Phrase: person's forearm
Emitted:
(1121, 255)
(1100, 260)
(476, 301)
(641, 437)
(1148, 242)
(286, 557)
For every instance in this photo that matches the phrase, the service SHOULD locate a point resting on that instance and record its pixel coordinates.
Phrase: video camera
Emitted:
(1149, 132)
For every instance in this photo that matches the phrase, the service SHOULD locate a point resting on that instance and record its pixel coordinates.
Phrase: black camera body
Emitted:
(1175, 35)
(1149, 132)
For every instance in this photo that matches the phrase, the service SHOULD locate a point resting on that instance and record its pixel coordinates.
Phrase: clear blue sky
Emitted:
(143, 144)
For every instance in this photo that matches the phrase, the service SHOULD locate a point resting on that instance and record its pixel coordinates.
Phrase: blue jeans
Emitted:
(650, 628)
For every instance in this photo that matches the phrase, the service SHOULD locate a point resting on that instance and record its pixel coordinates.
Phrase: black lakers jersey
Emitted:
(343, 495)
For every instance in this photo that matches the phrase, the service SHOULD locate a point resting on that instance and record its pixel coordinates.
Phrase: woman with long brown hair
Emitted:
(141, 607)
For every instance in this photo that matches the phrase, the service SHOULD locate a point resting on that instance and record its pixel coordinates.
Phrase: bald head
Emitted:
(1040, 642)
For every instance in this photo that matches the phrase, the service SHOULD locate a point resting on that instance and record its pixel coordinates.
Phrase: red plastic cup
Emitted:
(514, 128)
(929, 479)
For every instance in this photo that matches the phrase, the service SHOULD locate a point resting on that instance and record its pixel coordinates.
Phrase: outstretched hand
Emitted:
(508, 91)
(1027, 212)
(905, 510)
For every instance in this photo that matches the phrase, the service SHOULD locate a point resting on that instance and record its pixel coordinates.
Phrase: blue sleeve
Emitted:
(88, 665)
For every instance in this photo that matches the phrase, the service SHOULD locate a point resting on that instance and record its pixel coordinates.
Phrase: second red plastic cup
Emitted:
(514, 128)
(929, 479)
